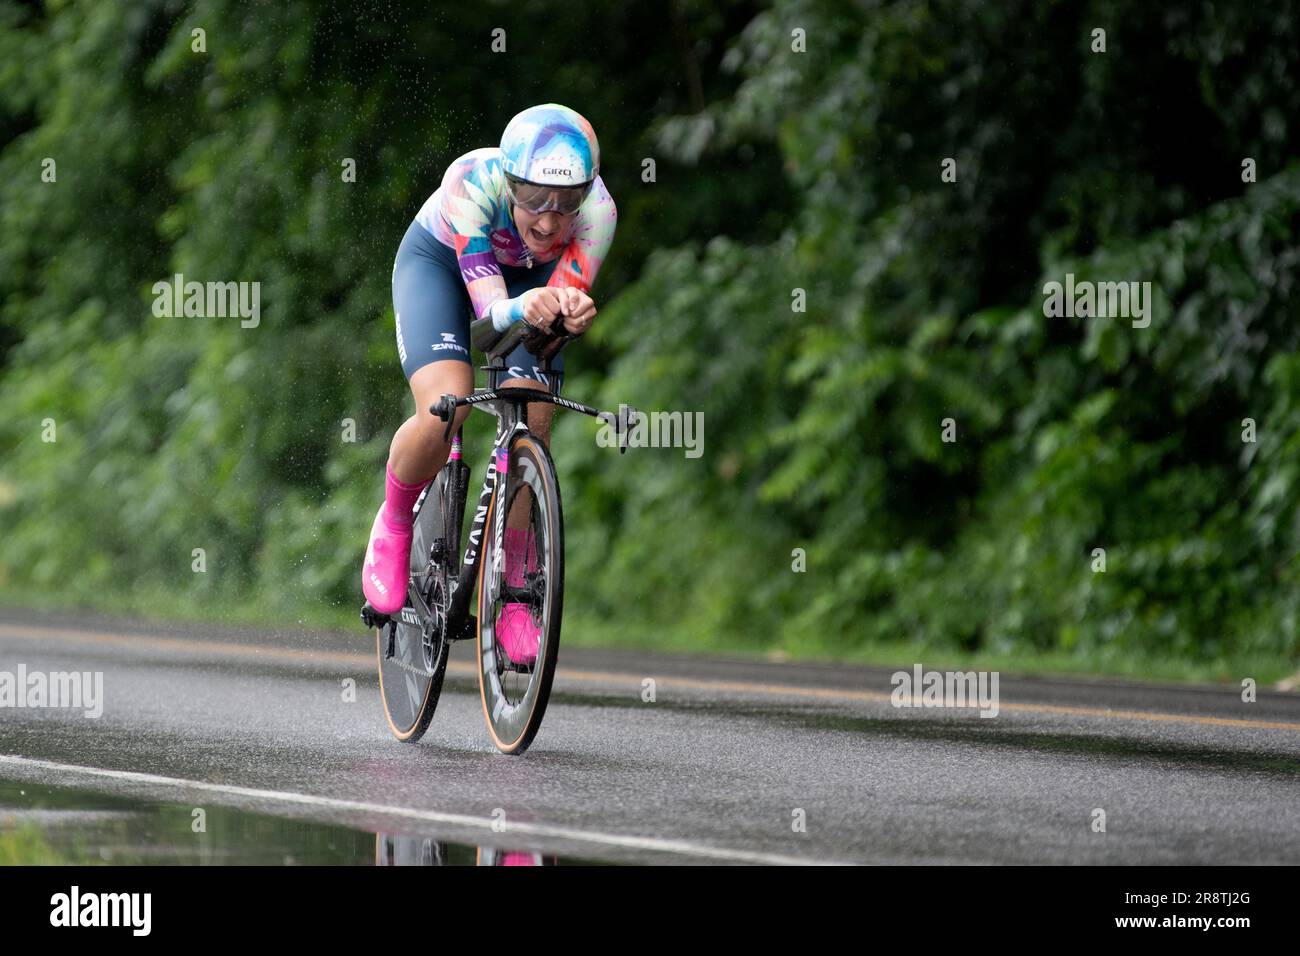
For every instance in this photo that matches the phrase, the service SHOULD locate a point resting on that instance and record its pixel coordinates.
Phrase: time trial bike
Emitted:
(412, 644)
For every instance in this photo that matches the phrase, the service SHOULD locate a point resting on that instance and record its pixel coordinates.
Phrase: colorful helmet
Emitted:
(550, 145)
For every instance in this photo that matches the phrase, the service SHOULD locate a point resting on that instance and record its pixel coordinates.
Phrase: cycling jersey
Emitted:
(472, 214)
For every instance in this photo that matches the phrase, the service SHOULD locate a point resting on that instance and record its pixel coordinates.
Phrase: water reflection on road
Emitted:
(46, 825)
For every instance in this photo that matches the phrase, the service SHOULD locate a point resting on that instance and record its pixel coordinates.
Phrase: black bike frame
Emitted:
(509, 405)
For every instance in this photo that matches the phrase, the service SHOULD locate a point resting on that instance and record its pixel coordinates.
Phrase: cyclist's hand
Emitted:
(541, 306)
(578, 310)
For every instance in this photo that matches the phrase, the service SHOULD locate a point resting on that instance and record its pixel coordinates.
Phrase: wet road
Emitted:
(733, 762)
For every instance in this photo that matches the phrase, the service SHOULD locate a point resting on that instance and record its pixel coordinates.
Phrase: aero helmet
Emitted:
(550, 145)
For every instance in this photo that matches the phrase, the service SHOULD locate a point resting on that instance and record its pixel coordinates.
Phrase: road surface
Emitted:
(732, 762)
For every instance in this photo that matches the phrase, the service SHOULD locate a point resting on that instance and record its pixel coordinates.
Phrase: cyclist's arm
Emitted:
(470, 195)
(586, 251)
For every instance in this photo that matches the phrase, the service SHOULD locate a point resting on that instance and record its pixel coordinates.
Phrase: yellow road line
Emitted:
(225, 648)
(460, 669)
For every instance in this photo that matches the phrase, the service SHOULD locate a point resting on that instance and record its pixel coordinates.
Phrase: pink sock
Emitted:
(516, 543)
(399, 499)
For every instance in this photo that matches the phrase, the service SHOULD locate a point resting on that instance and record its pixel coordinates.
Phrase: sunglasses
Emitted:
(539, 199)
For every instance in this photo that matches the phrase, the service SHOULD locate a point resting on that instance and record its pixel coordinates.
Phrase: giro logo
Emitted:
(556, 171)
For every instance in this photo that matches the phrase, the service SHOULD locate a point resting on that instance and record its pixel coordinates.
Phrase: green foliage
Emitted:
(816, 171)
(925, 303)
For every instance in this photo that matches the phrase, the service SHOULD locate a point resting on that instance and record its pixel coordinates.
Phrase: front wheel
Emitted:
(515, 692)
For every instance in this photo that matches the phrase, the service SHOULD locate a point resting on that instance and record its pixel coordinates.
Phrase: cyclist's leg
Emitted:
(431, 309)
(418, 451)
(429, 303)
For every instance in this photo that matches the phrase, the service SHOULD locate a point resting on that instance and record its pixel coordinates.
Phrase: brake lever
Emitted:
(628, 421)
(445, 408)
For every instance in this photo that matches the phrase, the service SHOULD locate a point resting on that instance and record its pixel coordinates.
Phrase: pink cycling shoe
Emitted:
(388, 557)
(519, 859)
(516, 629)
(388, 565)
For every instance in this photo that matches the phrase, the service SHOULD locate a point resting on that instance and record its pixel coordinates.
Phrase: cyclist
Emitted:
(516, 233)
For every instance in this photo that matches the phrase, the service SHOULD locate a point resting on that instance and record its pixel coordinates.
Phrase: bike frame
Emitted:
(509, 404)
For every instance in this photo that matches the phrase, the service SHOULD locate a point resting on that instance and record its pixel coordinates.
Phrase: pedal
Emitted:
(372, 618)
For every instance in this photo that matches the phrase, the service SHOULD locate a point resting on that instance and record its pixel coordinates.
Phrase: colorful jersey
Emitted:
(471, 213)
